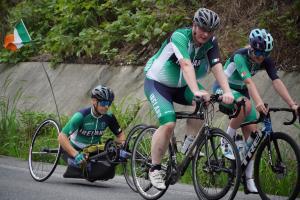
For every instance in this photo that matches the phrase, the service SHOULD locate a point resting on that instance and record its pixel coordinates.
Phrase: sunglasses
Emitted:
(261, 53)
(103, 103)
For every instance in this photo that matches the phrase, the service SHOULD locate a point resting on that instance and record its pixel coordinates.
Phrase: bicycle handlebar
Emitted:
(263, 116)
(201, 103)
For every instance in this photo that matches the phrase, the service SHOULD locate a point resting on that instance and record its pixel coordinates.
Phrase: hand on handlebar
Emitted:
(227, 98)
(262, 108)
(80, 158)
(296, 108)
(203, 94)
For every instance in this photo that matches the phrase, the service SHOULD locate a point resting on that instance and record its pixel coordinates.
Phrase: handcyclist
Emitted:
(88, 125)
(172, 74)
(239, 69)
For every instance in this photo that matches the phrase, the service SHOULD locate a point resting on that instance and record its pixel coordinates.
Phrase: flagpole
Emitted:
(51, 87)
(59, 119)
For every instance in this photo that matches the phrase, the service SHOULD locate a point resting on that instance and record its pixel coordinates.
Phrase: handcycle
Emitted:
(213, 174)
(277, 160)
(45, 152)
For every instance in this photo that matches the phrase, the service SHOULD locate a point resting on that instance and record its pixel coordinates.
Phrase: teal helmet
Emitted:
(261, 40)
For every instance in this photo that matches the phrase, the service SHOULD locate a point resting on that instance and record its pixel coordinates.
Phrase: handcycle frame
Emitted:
(44, 149)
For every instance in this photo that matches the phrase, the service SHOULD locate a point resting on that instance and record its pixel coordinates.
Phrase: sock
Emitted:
(155, 167)
(249, 169)
(231, 132)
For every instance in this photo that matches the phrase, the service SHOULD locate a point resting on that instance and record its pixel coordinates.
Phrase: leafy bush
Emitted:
(95, 30)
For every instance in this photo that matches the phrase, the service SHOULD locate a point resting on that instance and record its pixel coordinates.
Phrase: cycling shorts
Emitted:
(238, 94)
(161, 97)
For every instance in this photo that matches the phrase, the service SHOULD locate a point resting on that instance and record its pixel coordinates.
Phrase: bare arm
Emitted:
(283, 92)
(220, 77)
(65, 143)
(190, 78)
(223, 82)
(189, 74)
(121, 138)
(255, 95)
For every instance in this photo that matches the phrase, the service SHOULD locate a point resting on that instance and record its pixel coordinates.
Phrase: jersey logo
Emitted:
(215, 60)
(243, 74)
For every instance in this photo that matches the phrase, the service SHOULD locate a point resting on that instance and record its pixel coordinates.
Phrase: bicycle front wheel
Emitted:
(277, 167)
(141, 163)
(132, 135)
(214, 175)
(44, 150)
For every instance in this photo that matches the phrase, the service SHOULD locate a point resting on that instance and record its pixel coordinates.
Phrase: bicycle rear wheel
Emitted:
(44, 150)
(132, 135)
(141, 163)
(214, 175)
(281, 179)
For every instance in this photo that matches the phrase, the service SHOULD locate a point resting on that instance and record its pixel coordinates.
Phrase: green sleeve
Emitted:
(73, 124)
(241, 67)
(181, 42)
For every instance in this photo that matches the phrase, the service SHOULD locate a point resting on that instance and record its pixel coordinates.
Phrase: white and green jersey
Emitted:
(84, 128)
(164, 66)
(239, 67)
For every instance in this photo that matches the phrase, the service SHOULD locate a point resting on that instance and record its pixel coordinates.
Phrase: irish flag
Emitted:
(18, 38)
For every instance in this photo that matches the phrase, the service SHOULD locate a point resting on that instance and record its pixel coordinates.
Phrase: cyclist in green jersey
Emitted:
(239, 69)
(87, 125)
(172, 74)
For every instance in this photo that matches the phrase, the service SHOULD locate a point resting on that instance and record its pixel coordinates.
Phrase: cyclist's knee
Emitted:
(168, 127)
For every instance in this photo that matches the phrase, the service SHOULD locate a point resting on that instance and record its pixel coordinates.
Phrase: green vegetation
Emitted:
(95, 30)
(129, 32)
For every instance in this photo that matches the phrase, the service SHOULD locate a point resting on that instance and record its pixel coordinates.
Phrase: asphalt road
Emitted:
(17, 184)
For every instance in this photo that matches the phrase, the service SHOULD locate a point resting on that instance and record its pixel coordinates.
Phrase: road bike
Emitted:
(277, 160)
(214, 175)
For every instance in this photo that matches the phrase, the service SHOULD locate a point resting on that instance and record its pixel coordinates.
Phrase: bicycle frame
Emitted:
(261, 136)
(178, 170)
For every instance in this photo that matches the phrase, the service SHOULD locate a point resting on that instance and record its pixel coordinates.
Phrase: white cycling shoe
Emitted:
(250, 186)
(157, 179)
(227, 150)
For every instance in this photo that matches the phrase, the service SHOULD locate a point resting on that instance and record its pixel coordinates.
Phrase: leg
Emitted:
(160, 97)
(160, 142)
(251, 188)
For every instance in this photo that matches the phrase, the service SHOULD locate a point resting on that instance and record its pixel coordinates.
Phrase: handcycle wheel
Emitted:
(44, 151)
(214, 175)
(281, 180)
(132, 135)
(141, 163)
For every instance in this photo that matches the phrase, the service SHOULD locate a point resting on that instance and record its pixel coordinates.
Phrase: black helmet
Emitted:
(207, 19)
(102, 93)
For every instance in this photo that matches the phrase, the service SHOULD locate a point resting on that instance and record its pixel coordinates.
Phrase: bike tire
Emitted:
(141, 163)
(214, 175)
(287, 183)
(44, 151)
(132, 135)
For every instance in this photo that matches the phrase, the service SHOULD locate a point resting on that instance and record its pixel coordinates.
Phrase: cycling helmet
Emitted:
(102, 93)
(207, 19)
(261, 40)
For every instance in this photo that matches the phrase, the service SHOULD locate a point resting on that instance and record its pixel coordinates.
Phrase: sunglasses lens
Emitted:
(261, 53)
(104, 103)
